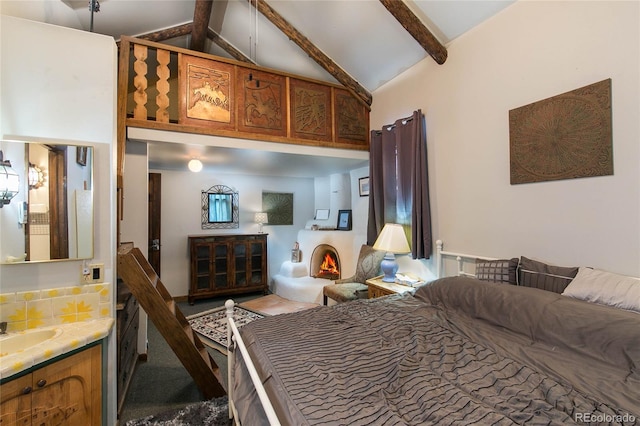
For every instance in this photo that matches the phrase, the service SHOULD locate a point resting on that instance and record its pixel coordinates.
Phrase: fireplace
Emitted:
(325, 262)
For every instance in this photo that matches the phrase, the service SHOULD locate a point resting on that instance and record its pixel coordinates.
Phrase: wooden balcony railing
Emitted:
(167, 88)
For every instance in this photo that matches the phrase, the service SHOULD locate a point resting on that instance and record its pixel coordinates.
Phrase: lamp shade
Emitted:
(392, 239)
(261, 218)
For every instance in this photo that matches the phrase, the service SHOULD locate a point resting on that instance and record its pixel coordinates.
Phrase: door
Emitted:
(155, 199)
(58, 218)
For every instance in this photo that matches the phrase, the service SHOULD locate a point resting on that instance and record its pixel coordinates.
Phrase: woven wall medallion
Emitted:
(563, 137)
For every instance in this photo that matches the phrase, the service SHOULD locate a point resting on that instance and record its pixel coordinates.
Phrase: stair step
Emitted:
(162, 309)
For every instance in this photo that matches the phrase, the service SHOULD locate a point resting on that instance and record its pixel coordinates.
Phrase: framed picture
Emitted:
(344, 220)
(363, 184)
(322, 214)
(81, 155)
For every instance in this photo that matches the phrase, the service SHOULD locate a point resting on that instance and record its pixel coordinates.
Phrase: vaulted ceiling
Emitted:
(361, 44)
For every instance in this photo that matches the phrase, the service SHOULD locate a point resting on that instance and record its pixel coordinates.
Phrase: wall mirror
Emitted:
(51, 216)
(220, 208)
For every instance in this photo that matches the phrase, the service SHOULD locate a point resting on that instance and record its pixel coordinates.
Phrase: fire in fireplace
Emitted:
(325, 262)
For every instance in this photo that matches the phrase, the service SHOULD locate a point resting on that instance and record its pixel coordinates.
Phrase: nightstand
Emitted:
(379, 288)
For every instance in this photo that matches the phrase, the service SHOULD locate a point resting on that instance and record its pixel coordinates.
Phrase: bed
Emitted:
(462, 350)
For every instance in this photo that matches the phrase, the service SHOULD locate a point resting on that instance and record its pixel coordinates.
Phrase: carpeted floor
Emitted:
(161, 383)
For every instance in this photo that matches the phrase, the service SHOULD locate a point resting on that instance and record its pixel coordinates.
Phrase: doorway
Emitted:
(155, 202)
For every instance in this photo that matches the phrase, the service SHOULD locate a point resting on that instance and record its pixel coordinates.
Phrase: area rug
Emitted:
(214, 412)
(211, 326)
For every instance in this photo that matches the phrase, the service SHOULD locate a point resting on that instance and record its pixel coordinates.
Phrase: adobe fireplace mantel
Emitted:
(294, 280)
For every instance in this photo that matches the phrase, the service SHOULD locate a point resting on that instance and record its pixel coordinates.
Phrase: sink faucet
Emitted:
(3, 327)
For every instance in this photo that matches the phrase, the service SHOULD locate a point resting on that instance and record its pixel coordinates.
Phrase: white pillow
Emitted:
(605, 288)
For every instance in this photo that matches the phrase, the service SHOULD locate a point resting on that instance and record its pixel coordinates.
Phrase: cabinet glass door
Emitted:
(240, 254)
(221, 266)
(203, 266)
(257, 260)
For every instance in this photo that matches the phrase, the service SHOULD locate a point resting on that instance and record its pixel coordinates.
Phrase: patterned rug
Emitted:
(214, 412)
(211, 326)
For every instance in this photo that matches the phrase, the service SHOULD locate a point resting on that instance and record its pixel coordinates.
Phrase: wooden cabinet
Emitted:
(68, 391)
(127, 334)
(227, 264)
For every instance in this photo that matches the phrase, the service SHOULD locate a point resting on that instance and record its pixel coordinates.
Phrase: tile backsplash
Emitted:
(40, 308)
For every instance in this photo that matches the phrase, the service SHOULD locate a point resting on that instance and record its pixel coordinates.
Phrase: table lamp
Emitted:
(261, 218)
(392, 240)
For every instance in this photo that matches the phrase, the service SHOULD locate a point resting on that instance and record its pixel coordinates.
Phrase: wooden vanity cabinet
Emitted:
(68, 391)
(227, 264)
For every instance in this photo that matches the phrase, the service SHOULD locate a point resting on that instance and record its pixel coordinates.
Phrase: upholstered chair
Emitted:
(355, 287)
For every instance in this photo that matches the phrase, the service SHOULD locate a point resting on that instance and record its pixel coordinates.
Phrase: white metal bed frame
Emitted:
(461, 260)
(234, 336)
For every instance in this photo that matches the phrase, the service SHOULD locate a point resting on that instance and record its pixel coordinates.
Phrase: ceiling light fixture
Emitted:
(195, 165)
(94, 6)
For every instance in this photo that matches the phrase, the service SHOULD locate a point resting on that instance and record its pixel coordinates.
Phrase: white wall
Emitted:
(181, 207)
(50, 103)
(134, 225)
(530, 51)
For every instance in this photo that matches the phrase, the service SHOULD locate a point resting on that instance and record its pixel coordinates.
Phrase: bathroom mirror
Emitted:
(219, 208)
(51, 217)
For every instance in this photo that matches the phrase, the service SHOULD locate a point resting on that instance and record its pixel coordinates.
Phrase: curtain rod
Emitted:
(392, 126)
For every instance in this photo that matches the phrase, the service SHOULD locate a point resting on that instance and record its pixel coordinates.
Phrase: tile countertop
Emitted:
(68, 338)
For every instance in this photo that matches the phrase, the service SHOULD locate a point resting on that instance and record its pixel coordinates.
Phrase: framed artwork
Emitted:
(279, 207)
(322, 214)
(363, 186)
(566, 136)
(344, 220)
(81, 155)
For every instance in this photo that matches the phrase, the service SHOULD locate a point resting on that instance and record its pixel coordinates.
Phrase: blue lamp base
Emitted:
(389, 267)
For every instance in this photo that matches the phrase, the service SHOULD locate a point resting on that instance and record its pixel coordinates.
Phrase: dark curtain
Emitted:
(399, 183)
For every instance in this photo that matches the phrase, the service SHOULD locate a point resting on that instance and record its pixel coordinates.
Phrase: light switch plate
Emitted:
(94, 273)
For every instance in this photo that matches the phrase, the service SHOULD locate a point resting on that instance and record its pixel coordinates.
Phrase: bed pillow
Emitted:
(497, 271)
(606, 288)
(533, 273)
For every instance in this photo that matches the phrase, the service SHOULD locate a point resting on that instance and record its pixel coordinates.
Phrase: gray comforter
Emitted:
(461, 351)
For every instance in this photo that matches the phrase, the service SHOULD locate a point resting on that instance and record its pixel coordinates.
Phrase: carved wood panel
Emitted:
(206, 93)
(563, 137)
(262, 102)
(352, 119)
(311, 110)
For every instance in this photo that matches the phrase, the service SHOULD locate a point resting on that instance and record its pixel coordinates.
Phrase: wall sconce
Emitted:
(195, 165)
(9, 181)
(36, 176)
(261, 218)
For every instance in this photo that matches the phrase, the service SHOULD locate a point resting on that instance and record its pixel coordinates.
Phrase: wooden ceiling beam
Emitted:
(167, 33)
(416, 28)
(314, 53)
(227, 47)
(201, 16)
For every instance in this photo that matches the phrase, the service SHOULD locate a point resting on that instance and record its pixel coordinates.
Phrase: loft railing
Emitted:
(168, 88)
